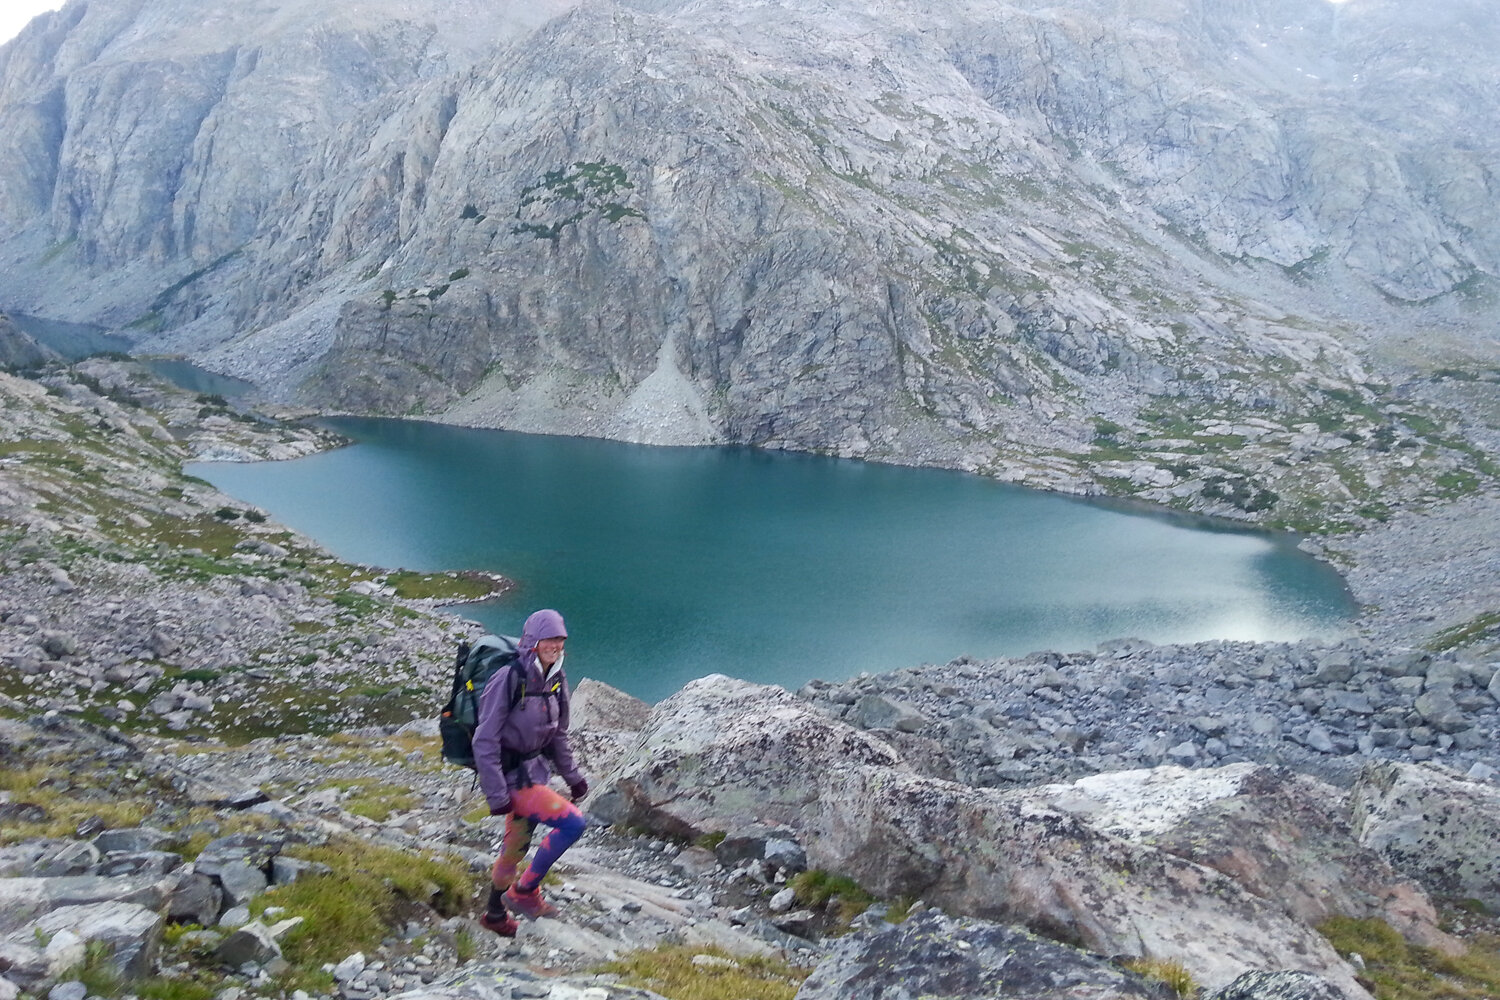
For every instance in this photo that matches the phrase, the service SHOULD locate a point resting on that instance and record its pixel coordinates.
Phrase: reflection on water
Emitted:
(671, 563)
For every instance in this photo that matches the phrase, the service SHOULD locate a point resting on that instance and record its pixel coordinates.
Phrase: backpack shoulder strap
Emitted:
(517, 682)
(460, 660)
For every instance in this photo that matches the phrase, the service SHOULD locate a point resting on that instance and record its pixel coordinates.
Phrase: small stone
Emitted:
(71, 990)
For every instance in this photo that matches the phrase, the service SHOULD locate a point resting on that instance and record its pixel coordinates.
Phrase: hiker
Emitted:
(512, 748)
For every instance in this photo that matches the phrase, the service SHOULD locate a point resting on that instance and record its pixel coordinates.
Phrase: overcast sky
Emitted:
(15, 13)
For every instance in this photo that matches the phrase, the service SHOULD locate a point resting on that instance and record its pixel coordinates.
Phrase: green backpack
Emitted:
(473, 666)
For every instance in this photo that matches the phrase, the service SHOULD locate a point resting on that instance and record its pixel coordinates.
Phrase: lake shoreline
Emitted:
(1391, 606)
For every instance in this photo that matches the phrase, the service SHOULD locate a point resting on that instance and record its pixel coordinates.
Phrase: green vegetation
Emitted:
(1477, 629)
(374, 800)
(672, 972)
(357, 901)
(97, 971)
(452, 586)
(815, 888)
(570, 195)
(69, 791)
(1402, 971)
(166, 295)
(1169, 971)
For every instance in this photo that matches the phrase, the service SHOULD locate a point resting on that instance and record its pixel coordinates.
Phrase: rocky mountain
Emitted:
(1211, 255)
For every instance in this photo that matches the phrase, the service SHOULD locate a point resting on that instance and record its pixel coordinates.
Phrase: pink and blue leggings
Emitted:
(530, 806)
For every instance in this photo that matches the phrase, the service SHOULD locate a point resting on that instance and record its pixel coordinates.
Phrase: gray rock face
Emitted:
(1434, 826)
(18, 351)
(932, 955)
(722, 752)
(920, 232)
(1276, 986)
(1284, 837)
(132, 932)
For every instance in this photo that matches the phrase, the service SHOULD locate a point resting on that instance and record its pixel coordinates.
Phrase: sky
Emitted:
(14, 14)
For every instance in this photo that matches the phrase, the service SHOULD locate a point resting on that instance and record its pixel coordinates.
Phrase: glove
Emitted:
(501, 810)
(580, 788)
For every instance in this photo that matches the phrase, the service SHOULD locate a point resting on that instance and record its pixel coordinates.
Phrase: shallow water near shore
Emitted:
(672, 563)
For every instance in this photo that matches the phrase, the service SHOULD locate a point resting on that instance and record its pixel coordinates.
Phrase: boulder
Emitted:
(723, 752)
(141, 863)
(1438, 828)
(1283, 836)
(132, 932)
(253, 942)
(134, 840)
(603, 723)
(932, 955)
(22, 962)
(1276, 986)
(773, 749)
(70, 858)
(875, 711)
(25, 899)
(196, 900)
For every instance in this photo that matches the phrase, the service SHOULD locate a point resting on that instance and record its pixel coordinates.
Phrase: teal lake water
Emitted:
(671, 563)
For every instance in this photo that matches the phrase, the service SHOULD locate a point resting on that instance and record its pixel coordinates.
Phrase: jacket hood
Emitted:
(544, 624)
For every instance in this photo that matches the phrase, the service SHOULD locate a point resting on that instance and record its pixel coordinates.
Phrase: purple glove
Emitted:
(580, 788)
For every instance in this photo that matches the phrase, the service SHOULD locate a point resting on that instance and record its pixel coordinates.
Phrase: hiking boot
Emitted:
(529, 904)
(505, 925)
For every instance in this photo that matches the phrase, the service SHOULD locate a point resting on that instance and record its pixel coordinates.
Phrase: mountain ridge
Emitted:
(1048, 244)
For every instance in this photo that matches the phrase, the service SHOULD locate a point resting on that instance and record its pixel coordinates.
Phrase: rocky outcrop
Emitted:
(1049, 244)
(934, 955)
(19, 352)
(721, 753)
(1325, 709)
(1439, 829)
(1284, 837)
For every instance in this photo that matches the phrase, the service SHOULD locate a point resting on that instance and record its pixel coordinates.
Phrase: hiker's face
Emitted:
(548, 650)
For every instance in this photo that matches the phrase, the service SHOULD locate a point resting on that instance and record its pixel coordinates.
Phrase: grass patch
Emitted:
(361, 898)
(1473, 630)
(440, 586)
(1169, 971)
(69, 792)
(373, 800)
(199, 984)
(97, 971)
(360, 604)
(681, 972)
(1402, 971)
(815, 888)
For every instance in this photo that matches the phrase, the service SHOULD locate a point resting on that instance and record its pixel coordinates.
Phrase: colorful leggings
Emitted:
(530, 806)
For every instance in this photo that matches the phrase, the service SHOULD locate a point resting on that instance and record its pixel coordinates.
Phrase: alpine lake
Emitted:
(673, 563)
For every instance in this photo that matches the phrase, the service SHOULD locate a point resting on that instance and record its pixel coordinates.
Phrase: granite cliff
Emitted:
(1219, 256)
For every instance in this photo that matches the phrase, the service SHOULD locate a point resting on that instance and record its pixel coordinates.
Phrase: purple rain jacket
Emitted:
(535, 731)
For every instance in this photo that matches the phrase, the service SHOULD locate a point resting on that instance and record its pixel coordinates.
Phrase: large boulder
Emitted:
(772, 750)
(1011, 857)
(24, 899)
(721, 754)
(1283, 836)
(604, 723)
(1440, 829)
(131, 932)
(932, 955)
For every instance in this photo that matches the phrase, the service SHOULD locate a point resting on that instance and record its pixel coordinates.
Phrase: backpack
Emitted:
(473, 666)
